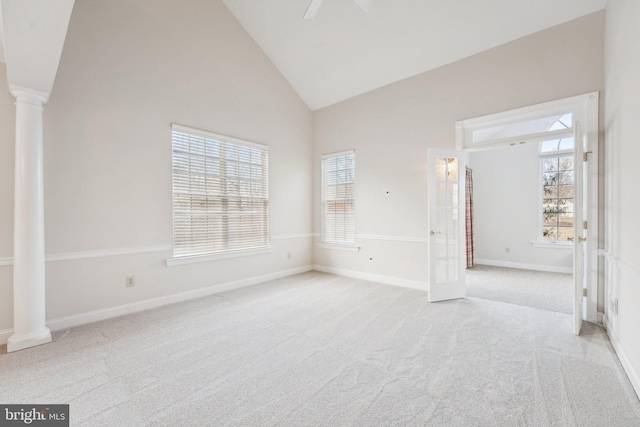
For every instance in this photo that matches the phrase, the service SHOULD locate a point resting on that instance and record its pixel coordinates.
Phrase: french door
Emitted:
(446, 225)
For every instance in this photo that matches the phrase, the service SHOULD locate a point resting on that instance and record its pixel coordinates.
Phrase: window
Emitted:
(522, 128)
(556, 162)
(338, 202)
(220, 193)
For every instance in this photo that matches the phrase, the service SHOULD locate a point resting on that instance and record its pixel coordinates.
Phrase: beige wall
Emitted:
(622, 109)
(507, 208)
(391, 129)
(7, 153)
(129, 69)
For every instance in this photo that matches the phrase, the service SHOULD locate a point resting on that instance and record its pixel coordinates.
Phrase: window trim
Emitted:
(192, 259)
(552, 244)
(227, 253)
(347, 246)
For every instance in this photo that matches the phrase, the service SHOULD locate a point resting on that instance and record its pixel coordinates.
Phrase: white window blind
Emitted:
(338, 198)
(220, 193)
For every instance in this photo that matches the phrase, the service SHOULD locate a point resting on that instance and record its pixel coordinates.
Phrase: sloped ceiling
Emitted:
(34, 32)
(344, 52)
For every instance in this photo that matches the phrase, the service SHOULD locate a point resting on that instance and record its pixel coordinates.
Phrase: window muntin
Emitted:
(338, 198)
(220, 193)
(557, 197)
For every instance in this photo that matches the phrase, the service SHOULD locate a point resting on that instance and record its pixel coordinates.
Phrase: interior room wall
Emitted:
(392, 128)
(622, 109)
(7, 155)
(506, 189)
(129, 69)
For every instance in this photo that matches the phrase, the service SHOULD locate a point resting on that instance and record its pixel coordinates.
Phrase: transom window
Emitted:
(220, 193)
(338, 198)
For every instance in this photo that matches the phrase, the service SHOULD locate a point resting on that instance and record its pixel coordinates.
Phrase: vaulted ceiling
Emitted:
(33, 34)
(344, 52)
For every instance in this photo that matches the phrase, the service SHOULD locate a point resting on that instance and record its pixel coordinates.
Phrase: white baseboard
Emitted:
(624, 359)
(523, 266)
(413, 284)
(134, 307)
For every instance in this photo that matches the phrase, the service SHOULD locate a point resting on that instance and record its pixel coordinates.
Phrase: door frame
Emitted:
(585, 109)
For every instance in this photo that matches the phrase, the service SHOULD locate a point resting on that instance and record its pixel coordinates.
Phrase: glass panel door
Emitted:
(446, 225)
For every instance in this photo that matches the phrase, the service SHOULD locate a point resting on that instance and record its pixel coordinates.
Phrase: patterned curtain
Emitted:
(469, 215)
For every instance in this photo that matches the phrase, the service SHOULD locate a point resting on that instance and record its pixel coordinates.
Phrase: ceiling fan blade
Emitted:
(312, 9)
(365, 5)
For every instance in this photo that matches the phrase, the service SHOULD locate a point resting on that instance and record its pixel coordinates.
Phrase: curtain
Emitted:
(469, 216)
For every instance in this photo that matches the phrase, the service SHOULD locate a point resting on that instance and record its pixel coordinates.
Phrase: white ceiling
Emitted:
(34, 32)
(344, 52)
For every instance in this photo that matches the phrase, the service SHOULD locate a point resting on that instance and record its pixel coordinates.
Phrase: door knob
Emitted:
(581, 239)
(433, 233)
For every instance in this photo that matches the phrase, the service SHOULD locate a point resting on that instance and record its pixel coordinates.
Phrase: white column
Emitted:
(28, 252)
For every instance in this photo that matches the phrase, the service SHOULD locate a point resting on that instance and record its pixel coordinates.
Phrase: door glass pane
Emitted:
(441, 169)
(452, 194)
(452, 220)
(441, 194)
(453, 269)
(441, 271)
(440, 221)
(452, 245)
(440, 246)
(452, 169)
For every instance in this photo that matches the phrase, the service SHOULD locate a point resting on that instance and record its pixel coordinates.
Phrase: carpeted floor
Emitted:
(317, 349)
(537, 289)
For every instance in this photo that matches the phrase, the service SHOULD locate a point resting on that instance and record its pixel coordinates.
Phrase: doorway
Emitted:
(536, 125)
(523, 211)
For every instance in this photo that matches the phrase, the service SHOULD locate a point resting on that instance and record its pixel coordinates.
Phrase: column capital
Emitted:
(26, 94)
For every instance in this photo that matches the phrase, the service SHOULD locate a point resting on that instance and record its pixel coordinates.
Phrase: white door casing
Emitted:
(578, 242)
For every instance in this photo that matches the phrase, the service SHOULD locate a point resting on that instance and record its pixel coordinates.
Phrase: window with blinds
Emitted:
(338, 198)
(220, 193)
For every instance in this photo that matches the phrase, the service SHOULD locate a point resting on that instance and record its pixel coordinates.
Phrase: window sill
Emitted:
(170, 262)
(553, 244)
(350, 248)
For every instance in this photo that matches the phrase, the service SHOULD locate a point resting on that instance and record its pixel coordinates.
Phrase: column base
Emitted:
(15, 343)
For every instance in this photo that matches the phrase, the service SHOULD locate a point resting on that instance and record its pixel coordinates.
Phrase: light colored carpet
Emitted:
(317, 349)
(537, 289)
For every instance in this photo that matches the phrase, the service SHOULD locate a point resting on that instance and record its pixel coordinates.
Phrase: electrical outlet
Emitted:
(289, 256)
(507, 250)
(615, 306)
(130, 281)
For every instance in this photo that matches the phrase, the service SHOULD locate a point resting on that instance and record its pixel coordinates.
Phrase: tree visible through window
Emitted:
(557, 203)
(557, 167)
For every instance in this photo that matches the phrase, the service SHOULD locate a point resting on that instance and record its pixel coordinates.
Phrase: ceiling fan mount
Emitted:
(365, 5)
